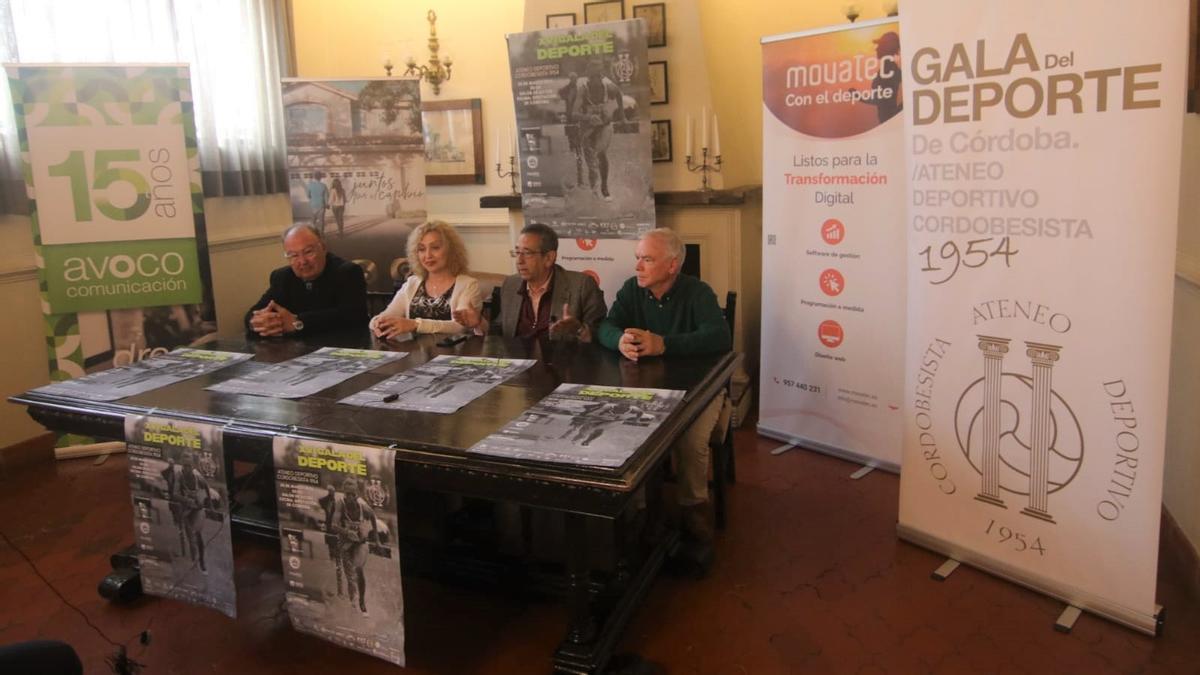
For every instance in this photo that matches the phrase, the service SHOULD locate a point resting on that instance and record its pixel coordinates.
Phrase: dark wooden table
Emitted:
(431, 450)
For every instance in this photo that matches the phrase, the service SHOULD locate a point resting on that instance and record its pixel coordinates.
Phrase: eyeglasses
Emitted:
(523, 253)
(307, 254)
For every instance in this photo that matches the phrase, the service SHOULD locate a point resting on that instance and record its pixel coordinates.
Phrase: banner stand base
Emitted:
(1150, 624)
(945, 569)
(824, 449)
(782, 449)
(862, 471)
(1066, 620)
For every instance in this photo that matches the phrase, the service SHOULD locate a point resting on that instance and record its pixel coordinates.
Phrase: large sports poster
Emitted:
(1043, 153)
(833, 244)
(113, 180)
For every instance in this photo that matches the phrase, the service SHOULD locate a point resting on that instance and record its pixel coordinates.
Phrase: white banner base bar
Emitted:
(826, 449)
(1149, 624)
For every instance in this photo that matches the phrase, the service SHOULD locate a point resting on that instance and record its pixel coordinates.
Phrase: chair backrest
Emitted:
(492, 304)
(730, 310)
(377, 301)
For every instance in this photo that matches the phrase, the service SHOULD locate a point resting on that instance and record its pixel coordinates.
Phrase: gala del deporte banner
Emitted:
(113, 180)
(1043, 145)
(833, 241)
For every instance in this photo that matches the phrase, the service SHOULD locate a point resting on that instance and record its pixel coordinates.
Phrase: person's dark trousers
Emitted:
(45, 657)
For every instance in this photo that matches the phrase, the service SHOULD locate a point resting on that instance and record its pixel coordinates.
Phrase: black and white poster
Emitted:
(181, 511)
(337, 534)
(583, 129)
(583, 424)
(308, 374)
(142, 376)
(442, 385)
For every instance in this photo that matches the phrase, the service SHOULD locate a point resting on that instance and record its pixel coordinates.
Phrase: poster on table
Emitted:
(833, 241)
(582, 134)
(113, 182)
(306, 375)
(337, 534)
(356, 167)
(159, 371)
(442, 385)
(1043, 153)
(181, 511)
(589, 425)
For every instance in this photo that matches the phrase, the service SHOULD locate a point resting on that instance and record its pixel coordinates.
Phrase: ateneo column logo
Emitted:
(1019, 435)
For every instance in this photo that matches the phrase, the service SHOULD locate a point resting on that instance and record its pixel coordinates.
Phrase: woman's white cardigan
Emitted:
(465, 295)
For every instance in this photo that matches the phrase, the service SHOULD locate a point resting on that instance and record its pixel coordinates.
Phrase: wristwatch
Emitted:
(297, 325)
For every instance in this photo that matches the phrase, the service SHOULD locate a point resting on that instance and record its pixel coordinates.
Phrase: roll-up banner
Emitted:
(582, 137)
(1043, 146)
(356, 168)
(833, 245)
(113, 181)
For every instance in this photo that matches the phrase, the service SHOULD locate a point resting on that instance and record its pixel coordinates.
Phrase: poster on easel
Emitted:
(833, 241)
(113, 184)
(1043, 149)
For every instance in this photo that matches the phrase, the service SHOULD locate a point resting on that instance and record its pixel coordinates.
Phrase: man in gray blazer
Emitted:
(542, 298)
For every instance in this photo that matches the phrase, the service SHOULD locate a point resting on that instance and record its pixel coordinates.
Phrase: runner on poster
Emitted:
(308, 374)
(181, 511)
(583, 131)
(160, 371)
(337, 534)
(583, 424)
(442, 385)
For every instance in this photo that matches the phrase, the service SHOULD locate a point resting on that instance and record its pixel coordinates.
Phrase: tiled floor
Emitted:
(809, 578)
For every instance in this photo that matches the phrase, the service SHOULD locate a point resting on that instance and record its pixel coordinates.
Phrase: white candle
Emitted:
(497, 146)
(514, 142)
(703, 129)
(688, 148)
(716, 137)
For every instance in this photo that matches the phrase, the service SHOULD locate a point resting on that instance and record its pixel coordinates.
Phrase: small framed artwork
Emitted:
(565, 20)
(599, 12)
(657, 74)
(655, 15)
(453, 142)
(660, 140)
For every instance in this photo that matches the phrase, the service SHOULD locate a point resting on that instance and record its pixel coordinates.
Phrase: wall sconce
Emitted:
(891, 7)
(436, 71)
(852, 11)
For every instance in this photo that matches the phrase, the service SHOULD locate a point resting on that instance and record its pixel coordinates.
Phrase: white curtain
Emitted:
(237, 51)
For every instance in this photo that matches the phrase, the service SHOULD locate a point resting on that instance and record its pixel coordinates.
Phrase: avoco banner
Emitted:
(1043, 146)
(113, 180)
(833, 250)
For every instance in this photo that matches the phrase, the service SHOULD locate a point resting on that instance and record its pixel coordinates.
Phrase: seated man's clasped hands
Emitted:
(316, 292)
(438, 297)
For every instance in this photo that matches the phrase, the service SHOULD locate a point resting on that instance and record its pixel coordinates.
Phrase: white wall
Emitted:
(1181, 485)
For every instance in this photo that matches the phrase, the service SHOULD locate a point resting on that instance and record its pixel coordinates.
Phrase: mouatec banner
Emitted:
(833, 241)
(1043, 146)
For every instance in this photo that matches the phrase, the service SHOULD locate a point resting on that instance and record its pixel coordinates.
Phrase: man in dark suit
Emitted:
(542, 298)
(315, 292)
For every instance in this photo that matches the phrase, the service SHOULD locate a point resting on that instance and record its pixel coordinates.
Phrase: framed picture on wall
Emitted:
(565, 20)
(655, 15)
(657, 73)
(599, 12)
(660, 140)
(453, 142)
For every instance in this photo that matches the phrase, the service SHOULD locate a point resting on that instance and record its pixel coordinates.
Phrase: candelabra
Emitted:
(511, 174)
(704, 167)
(437, 70)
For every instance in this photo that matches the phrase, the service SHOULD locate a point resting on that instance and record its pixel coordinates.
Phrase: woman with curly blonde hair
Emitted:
(438, 297)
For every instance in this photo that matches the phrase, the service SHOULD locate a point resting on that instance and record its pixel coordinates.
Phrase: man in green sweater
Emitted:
(658, 312)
